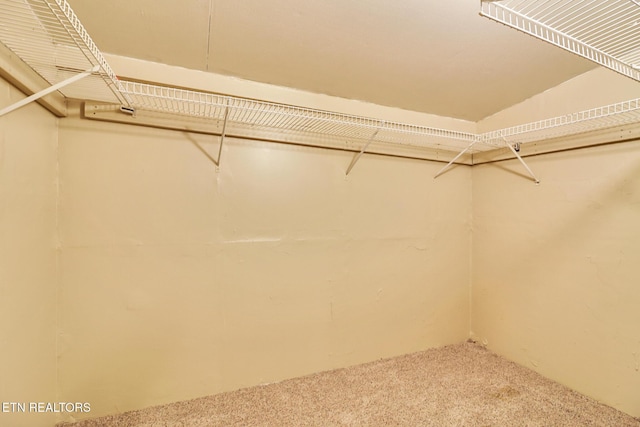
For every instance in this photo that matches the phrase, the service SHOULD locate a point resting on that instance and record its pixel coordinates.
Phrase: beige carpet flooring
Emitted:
(458, 385)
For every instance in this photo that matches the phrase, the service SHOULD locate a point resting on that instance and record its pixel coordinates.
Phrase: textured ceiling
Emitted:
(438, 57)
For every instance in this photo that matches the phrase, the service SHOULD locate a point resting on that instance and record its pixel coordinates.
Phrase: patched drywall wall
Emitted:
(176, 279)
(28, 186)
(555, 268)
(180, 279)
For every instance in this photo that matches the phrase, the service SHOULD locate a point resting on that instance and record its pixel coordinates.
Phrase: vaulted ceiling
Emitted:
(432, 56)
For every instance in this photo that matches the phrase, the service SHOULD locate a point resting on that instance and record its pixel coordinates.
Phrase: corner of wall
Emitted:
(592, 89)
(555, 273)
(28, 258)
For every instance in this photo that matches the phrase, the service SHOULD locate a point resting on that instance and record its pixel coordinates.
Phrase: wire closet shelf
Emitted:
(606, 32)
(48, 36)
(594, 119)
(243, 113)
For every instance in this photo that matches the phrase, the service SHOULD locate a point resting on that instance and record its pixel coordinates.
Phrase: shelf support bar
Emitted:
(48, 90)
(222, 135)
(357, 156)
(441, 171)
(535, 179)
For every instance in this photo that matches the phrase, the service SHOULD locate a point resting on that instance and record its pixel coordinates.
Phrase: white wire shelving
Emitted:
(242, 114)
(48, 37)
(606, 32)
(594, 119)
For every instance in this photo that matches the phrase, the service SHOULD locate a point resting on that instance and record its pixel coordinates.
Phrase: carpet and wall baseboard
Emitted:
(457, 385)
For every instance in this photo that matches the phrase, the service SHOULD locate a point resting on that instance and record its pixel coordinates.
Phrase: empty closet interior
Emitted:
(205, 196)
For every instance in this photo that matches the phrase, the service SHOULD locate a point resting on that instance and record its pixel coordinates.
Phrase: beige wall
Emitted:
(595, 88)
(181, 280)
(28, 186)
(555, 268)
(176, 279)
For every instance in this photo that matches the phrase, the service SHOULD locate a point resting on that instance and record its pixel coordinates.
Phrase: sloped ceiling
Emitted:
(438, 57)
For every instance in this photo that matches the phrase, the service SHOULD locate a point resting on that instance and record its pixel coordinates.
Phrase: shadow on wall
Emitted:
(203, 150)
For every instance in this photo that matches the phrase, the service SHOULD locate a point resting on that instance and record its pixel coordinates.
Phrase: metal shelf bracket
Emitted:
(468, 147)
(514, 151)
(222, 135)
(48, 90)
(364, 147)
